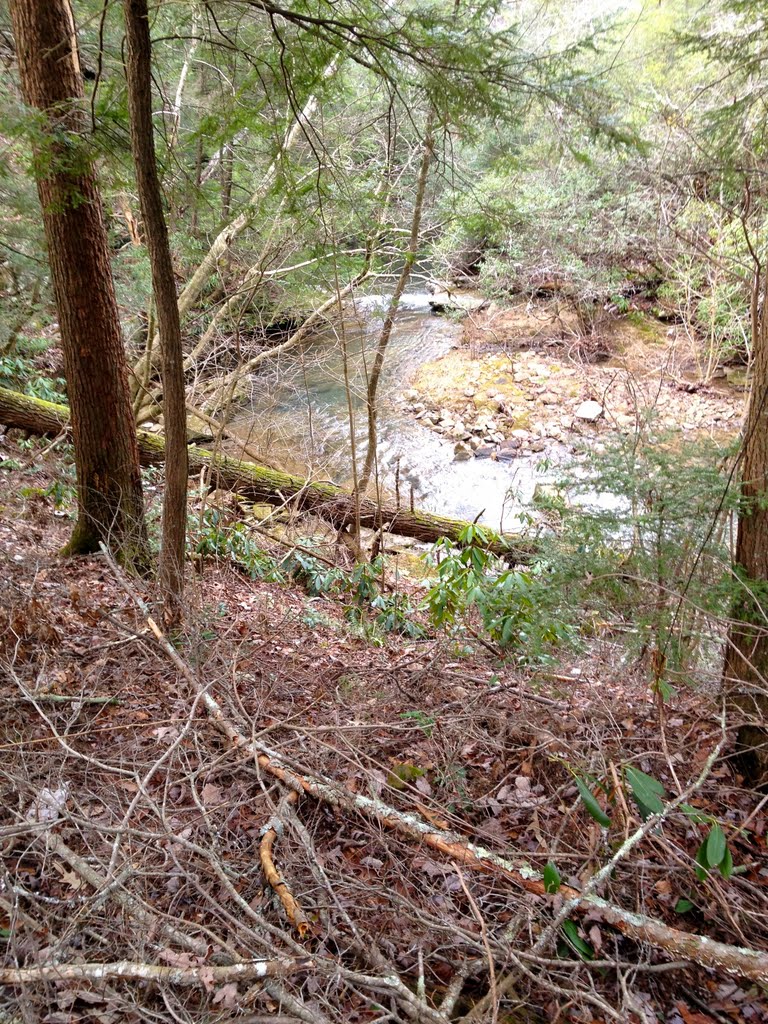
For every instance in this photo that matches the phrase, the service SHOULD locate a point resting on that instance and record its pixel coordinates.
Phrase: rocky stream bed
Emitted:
(516, 386)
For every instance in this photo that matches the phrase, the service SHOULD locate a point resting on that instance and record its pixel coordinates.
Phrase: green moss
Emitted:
(84, 541)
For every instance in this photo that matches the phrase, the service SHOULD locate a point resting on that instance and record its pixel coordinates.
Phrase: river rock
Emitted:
(510, 444)
(461, 452)
(589, 411)
(485, 451)
(411, 395)
(522, 435)
(456, 301)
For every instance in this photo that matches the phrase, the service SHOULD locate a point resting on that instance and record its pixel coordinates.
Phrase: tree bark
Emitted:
(261, 484)
(746, 660)
(110, 504)
(139, 76)
(203, 975)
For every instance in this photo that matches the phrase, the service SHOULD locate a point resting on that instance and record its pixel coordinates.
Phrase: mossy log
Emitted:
(261, 484)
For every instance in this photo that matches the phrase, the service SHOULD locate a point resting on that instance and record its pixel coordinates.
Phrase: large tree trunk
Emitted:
(110, 505)
(260, 484)
(139, 76)
(746, 660)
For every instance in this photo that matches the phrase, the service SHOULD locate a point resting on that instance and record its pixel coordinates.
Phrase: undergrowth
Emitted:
(639, 546)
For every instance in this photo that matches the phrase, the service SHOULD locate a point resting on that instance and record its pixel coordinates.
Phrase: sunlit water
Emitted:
(300, 415)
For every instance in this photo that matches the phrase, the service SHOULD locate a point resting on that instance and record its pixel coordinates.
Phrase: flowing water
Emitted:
(300, 415)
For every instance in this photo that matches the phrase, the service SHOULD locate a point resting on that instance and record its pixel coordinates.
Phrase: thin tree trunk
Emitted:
(213, 164)
(110, 504)
(227, 172)
(746, 660)
(176, 108)
(139, 77)
(196, 190)
(394, 303)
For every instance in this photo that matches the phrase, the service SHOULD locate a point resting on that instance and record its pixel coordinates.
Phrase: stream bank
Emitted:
(521, 383)
(474, 416)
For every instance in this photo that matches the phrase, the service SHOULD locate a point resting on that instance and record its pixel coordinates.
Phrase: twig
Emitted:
(294, 1005)
(454, 989)
(60, 698)
(272, 829)
(649, 825)
(129, 903)
(493, 994)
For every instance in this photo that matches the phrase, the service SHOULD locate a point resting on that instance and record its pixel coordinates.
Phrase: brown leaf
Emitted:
(207, 976)
(692, 1016)
(211, 794)
(71, 878)
(175, 959)
(227, 996)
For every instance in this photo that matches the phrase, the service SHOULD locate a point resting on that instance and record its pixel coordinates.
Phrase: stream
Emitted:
(299, 414)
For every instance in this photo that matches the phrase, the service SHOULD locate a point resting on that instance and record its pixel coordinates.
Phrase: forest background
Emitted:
(532, 762)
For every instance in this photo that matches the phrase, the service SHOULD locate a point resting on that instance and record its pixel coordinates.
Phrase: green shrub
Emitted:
(515, 607)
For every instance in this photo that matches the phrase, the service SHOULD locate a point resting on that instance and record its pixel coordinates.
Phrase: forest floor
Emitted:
(132, 828)
(526, 379)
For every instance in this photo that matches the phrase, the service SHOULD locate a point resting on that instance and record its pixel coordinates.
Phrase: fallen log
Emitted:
(261, 484)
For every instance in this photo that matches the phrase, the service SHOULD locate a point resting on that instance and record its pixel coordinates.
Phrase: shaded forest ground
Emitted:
(110, 765)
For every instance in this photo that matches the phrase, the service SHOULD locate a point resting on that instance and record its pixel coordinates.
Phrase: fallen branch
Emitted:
(105, 887)
(61, 698)
(272, 829)
(222, 389)
(735, 960)
(261, 484)
(549, 934)
(206, 975)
